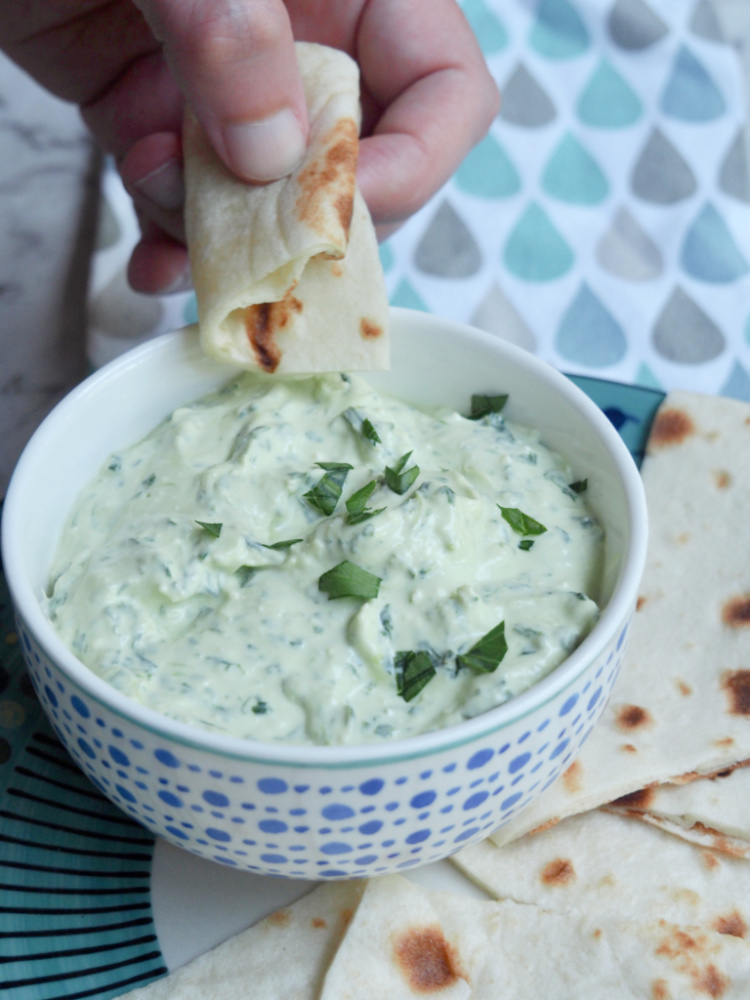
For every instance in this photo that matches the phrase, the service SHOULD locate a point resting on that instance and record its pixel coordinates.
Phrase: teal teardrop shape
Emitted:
(190, 311)
(487, 172)
(406, 296)
(489, 30)
(709, 252)
(589, 334)
(691, 94)
(646, 377)
(386, 256)
(738, 384)
(558, 31)
(535, 251)
(607, 100)
(573, 175)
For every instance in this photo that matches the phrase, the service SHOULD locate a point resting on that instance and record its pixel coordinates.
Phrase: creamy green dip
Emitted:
(200, 570)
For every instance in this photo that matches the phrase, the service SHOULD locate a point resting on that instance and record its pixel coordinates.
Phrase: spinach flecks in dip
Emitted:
(287, 577)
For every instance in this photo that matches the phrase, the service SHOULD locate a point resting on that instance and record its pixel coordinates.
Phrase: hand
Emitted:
(427, 96)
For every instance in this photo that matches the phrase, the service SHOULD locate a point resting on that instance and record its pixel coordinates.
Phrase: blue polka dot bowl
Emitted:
(322, 812)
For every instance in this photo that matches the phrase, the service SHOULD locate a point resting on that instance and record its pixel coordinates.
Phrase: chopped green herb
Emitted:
(579, 486)
(286, 544)
(325, 494)
(485, 656)
(399, 480)
(356, 505)
(244, 574)
(260, 707)
(413, 671)
(362, 425)
(369, 432)
(526, 544)
(482, 405)
(150, 480)
(349, 580)
(212, 527)
(520, 522)
(386, 620)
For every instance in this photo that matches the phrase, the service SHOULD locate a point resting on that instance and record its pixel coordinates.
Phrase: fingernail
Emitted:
(164, 186)
(266, 150)
(184, 283)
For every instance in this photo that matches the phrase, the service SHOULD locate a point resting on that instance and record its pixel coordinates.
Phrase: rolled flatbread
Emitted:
(287, 275)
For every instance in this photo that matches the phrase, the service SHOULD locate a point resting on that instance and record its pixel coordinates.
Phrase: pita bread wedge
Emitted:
(681, 706)
(711, 812)
(285, 955)
(515, 951)
(396, 948)
(569, 956)
(287, 275)
(613, 866)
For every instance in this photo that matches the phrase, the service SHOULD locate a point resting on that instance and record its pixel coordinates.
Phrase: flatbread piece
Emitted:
(287, 275)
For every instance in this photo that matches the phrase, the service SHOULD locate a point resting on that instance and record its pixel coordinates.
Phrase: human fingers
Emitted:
(235, 62)
(426, 75)
(158, 264)
(152, 174)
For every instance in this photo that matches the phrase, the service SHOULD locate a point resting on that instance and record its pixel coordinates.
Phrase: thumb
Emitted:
(235, 62)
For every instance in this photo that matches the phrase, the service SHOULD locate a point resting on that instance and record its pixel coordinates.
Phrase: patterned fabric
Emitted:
(603, 223)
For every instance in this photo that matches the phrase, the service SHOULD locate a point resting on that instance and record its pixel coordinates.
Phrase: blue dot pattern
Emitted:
(318, 822)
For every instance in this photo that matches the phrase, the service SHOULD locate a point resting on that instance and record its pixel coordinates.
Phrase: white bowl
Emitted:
(314, 812)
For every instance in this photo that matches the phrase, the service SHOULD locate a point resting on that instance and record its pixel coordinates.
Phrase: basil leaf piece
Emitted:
(526, 544)
(398, 480)
(413, 671)
(356, 505)
(482, 404)
(520, 522)
(212, 527)
(245, 574)
(363, 515)
(357, 502)
(286, 544)
(349, 580)
(579, 486)
(369, 432)
(362, 425)
(325, 494)
(485, 656)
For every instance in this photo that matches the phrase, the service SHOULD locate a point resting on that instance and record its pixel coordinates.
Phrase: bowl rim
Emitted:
(334, 757)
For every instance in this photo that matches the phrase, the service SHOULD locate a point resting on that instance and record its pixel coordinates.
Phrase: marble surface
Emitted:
(49, 185)
(48, 196)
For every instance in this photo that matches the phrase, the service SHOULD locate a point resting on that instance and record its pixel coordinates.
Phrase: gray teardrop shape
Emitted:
(684, 333)
(661, 174)
(734, 177)
(525, 102)
(627, 252)
(447, 249)
(633, 25)
(705, 24)
(496, 315)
